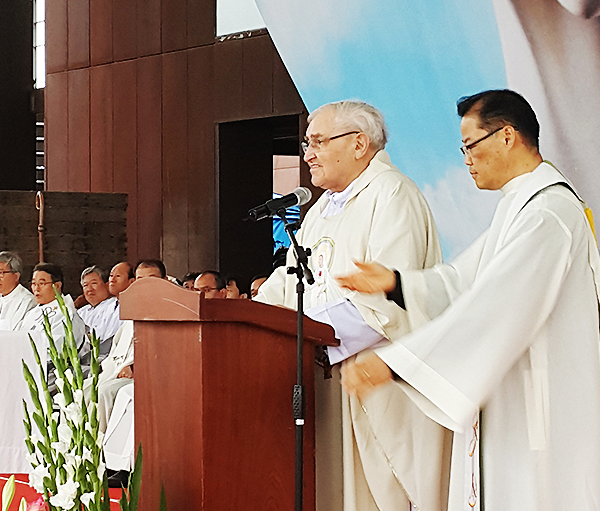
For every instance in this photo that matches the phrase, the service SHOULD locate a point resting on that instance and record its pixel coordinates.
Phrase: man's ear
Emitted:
(509, 136)
(58, 286)
(361, 145)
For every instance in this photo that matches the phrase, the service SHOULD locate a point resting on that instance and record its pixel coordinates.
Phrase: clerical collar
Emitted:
(337, 201)
(514, 184)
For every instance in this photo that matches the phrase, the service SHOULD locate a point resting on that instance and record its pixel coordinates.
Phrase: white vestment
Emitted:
(104, 318)
(385, 219)
(517, 335)
(34, 320)
(14, 306)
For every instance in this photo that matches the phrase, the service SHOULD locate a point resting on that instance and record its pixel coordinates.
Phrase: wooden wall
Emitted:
(134, 93)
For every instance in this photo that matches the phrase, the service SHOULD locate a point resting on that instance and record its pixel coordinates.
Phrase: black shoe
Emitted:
(118, 479)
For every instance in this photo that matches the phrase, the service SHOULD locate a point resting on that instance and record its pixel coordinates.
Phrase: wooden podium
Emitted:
(213, 399)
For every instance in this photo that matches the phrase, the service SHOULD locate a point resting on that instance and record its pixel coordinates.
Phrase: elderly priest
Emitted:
(369, 212)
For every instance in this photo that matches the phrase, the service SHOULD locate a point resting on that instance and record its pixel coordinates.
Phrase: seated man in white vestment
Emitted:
(46, 277)
(117, 367)
(514, 330)
(370, 211)
(101, 315)
(15, 300)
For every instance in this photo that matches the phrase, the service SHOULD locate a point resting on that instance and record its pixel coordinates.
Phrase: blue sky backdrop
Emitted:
(412, 60)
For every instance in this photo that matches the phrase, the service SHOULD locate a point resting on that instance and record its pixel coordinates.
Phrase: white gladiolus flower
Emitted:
(60, 447)
(86, 498)
(69, 469)
(32, 458)
(88, 428)
(35, 439)
(59, 399)
(100, 439)
(36, 478)
(78, 396)
(65, 495)
(55, 416)
(60, 384)
(101, 468)
(73, 413)
(87, 455)
(65, 433)
(69, 376)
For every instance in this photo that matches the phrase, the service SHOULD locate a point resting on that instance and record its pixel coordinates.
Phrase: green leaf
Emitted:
(41, 423)
(163, 499)
(8, 493)
(123, 502)
(135, 480)
(106, 499)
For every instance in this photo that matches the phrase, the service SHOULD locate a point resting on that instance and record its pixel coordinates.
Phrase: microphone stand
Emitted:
(302, 271)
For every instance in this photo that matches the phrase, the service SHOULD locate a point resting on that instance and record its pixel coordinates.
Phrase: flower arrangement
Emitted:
(66, 455)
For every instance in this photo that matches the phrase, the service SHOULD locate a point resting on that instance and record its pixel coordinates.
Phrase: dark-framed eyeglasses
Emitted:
(5, 272)
(316, 143)
(206, 289)
(466, 149)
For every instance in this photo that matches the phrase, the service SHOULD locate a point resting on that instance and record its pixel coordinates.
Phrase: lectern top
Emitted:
(154, 299)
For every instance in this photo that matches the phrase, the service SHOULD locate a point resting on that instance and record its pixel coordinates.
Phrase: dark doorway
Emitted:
(246, 150)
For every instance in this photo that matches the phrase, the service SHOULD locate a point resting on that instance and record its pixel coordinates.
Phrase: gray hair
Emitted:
(103, 274)
(357, 115)
(13, 260)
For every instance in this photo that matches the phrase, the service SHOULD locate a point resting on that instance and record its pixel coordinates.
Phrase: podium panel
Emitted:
(213, 399)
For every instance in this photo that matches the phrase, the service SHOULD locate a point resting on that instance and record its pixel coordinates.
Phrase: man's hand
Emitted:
(126, 372)
(370, 278)
(363, 374)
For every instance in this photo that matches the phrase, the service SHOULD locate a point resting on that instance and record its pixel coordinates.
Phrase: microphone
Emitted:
(298, 197)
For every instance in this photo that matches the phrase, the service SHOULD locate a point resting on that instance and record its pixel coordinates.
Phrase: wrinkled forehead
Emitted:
(322, 125)
(92, 277)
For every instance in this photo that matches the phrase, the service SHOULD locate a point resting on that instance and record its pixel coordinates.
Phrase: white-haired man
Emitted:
(369, 212)
(15, 300)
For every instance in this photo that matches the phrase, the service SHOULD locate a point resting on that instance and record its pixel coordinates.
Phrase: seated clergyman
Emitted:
(15, 300)
(101, 315)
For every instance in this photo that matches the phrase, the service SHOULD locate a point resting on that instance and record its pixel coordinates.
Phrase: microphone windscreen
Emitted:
(304, 195)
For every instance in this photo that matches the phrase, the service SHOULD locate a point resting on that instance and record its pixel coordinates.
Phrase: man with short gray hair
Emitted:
(370, 211)
(101, 315)
(15, 300)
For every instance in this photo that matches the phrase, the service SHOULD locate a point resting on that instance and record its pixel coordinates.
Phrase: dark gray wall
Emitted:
(17, 122)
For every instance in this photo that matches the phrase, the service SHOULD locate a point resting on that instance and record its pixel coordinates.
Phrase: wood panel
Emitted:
(149, 157)
(57, 108)
(101, 40)
(258, 76)
(56, 36)
(201, 22)
(79, 130)
(148, 21)
(175, 162)
(125, 142)
(174, 25)
(124, 16)
(202, 215)
(101, 131)
(286, 99)
(228, 80)
(78, 33)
